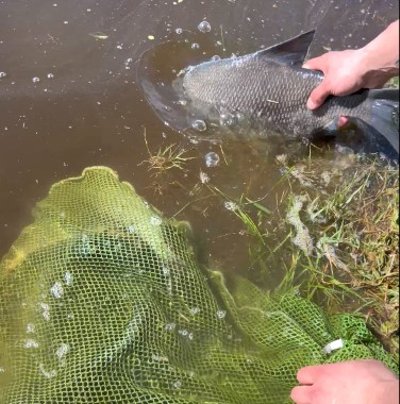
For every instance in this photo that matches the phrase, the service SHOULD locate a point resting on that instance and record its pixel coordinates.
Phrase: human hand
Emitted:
(344, 73)
(348, 71)
(354, 382)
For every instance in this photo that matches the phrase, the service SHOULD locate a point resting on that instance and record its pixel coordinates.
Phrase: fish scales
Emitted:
(269, 92)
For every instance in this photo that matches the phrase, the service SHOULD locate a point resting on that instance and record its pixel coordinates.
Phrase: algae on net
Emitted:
(102, 300)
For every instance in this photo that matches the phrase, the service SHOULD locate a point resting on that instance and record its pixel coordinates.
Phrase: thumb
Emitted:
(319, 95)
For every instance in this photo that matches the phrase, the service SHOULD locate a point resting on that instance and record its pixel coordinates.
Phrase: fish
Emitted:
(269, 88)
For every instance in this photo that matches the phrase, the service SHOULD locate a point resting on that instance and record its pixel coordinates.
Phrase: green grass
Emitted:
(165, 159)
(349, 210)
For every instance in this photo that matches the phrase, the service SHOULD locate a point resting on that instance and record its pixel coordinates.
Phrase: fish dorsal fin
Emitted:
(291, 52)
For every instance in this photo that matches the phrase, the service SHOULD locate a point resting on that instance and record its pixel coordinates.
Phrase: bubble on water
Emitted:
(62, 350)
(45, 311)
(179, 31)
(68, 278)
(184, 333)
(49, 374)
(215, 58)
(221, 314)
(3, 75)
(170, 327)
(199, 125)
(204, 27)
(195, 45)
(211, 159)
(31, 344)
(227, 120)
(131, 229)
(240, 117)
(166, 271)
(57, 290)
(232, 206)
(155, 221)
(194, 311)
(50, 75)
(177, 385)
(35, 79)
(128, 63)
(192, 140)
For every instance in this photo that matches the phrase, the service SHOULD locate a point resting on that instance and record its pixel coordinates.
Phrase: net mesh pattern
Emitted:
(102, 300)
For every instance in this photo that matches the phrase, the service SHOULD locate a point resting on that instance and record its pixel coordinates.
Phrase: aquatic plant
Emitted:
(335, 232)
(165, 159)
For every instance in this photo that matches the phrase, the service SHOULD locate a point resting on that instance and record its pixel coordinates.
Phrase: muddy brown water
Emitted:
(70, 99)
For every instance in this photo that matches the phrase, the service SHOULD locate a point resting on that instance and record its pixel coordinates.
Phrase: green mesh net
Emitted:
(102, 301)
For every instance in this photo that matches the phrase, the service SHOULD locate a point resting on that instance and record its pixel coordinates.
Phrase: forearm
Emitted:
(382, 53)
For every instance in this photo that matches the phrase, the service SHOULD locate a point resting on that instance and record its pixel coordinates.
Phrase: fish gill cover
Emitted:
(102, 299)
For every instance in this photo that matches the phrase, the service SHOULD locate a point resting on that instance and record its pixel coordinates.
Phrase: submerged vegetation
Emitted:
(329, 228)
(335, 230)
(160, 163)
(165, 159)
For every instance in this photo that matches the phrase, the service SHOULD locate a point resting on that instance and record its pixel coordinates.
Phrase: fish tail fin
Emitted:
(384, 118)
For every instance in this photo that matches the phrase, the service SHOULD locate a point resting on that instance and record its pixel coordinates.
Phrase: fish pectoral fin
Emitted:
(292, 52)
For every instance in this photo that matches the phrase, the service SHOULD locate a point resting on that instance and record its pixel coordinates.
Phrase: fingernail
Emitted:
(311, 104)
(343, 121)
(305, 66)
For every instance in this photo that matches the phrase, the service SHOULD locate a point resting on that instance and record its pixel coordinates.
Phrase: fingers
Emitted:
(318, 63)
(319, 95)
(309, 374)
(301, 394)
(308, 377)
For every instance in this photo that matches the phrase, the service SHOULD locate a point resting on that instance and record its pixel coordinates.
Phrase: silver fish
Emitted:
(271, 88)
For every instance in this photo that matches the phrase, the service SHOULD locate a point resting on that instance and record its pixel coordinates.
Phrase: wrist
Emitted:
(375, 59)
(382, 53)
(376, 67)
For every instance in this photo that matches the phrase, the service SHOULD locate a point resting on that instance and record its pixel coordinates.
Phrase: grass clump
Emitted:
(166, 159)
(355, 228)
(334, 228)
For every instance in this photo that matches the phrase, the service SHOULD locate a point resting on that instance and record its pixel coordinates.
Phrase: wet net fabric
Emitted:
(102, 300)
